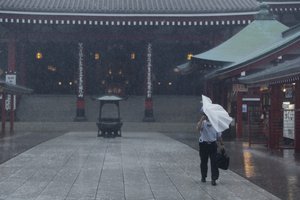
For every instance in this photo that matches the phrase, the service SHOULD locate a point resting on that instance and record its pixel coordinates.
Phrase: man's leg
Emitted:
(203, 151)
(213, 163)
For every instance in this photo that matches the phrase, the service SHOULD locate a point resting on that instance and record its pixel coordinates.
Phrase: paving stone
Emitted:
(137, 166)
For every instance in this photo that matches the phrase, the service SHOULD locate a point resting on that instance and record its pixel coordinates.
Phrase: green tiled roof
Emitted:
(288, 37)
(258, 35)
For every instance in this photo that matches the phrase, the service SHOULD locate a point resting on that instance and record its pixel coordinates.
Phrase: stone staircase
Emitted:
(62, 108)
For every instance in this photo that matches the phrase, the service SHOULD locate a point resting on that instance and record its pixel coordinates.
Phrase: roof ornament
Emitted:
(264, 12)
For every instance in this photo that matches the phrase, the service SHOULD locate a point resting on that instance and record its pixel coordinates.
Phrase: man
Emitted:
(208, 148)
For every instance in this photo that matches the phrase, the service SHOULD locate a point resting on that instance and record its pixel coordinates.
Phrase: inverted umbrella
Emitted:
(217, 115)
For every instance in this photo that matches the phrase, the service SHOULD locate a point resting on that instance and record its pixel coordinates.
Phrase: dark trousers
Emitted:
(208, 150)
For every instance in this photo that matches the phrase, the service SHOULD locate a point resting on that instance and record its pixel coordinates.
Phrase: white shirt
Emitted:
(208, 133)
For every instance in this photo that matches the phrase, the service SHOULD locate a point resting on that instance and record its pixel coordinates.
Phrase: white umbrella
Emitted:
(217, 115)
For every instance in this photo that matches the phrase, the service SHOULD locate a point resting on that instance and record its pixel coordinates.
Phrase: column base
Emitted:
(80, 119)
(148, 119)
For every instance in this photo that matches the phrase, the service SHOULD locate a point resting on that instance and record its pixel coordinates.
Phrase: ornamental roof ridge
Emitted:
(264, 13)
(129, 6)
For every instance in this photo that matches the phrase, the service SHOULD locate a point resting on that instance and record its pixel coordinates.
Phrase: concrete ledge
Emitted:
(91, 126)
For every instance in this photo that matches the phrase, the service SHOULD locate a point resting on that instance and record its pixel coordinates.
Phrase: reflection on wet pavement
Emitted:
(248, 164)
(12, 144)
(276, 171)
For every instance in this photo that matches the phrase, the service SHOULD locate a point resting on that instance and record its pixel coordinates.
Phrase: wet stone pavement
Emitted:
(276, 171)
(137, 166)
(12, 144)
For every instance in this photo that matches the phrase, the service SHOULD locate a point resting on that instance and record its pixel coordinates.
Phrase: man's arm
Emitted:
(199, 123)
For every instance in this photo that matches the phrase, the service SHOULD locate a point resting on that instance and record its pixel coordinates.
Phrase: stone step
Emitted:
(62, 108)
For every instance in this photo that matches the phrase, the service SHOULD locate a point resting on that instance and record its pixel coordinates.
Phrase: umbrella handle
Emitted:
(200, 122)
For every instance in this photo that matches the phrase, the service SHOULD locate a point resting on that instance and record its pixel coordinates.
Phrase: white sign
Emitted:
(244, 108)
(12, 79)
(289, 124)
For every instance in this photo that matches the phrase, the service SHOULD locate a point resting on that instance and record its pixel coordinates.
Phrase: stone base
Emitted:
(148, 119)
(80, 119)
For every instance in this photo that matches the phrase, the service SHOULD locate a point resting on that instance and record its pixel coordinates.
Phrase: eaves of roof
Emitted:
(260, 54)
(283, 71)
(9, 88)
(128, 7)
(256, 36)
(184, 68)
(281, 2)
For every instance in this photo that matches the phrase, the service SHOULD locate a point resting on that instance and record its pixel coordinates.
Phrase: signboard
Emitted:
(289, 93)
(239, 88)
(80, 72)
(149, 72)
(289, 123)
(244, 108)
(12, 79)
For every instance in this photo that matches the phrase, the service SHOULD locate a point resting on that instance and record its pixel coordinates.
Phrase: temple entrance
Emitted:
(51, 68)
(115, 68)
(112, 67)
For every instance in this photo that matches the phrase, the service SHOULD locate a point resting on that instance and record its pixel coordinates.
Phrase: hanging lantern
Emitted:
(97, 56)
(189, 56)
(39, 55)
(132, 56)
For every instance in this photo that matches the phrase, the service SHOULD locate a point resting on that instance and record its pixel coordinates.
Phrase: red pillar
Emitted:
(297, 117)
(275, 117)
(12, 73)
(22, 66)
(12, 54)
(3, 114)
(12, 113)
(208, 89)
(239, 120)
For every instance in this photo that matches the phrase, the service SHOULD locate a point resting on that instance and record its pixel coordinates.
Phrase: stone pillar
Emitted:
(148, 117)
(297, 117)
(80, 104)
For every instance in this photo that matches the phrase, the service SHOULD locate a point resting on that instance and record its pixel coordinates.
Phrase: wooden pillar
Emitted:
(22, 66)
(3, 114)
(239, 119)
(80, 104)
(297, 117)
(275, 117)
(12, 54)
(208, 91)
(12, 113)
(148, 116)
(223, 100)
(11, 77)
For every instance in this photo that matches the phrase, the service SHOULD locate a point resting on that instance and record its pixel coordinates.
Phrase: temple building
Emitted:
(255, 75)
(92, 47)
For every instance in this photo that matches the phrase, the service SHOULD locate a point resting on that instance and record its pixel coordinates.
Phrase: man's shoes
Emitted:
(203, 180)
(213, 182)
